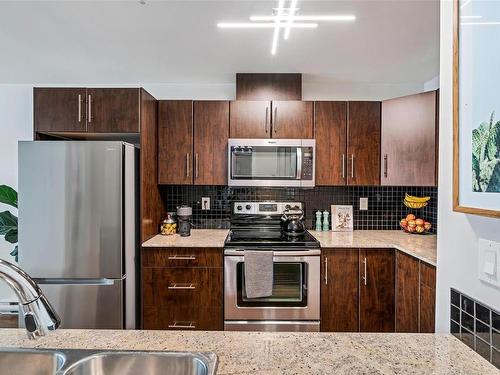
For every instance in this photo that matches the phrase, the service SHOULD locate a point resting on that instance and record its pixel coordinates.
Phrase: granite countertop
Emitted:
(267, 353)
(198, 238)
(423, 247)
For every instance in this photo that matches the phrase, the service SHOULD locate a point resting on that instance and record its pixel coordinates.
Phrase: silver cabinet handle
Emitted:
(275, 120)
(196, 165)
(343, 166)
(190, 325)
(352, 165)
(89, 108)
(79, 107)
(267, 117)
(365, 279)
(182, 286)
(385, 165)
(182, 257)
(187, 164)
(326, 270)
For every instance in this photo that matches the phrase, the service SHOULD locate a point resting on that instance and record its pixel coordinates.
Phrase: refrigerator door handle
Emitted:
(77, 281)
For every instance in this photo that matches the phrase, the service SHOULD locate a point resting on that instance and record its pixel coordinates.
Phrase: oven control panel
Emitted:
(264, 208)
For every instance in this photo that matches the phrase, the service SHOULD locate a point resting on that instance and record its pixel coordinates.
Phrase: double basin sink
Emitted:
(94, 362)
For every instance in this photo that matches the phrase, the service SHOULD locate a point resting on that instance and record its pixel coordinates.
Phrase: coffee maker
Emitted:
(184, 214)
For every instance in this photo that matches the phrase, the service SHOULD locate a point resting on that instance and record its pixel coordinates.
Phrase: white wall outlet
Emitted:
(363, 204)
(205, 204)
(489, 262)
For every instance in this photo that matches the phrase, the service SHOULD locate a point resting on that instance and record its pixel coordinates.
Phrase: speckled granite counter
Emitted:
(421, 247)
(247, 353)
(198, 238)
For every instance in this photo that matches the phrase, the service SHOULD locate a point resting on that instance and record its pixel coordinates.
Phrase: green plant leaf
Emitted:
(7, 222)
(11, 236)
(492, 147)
(8, 196)
(15, 253)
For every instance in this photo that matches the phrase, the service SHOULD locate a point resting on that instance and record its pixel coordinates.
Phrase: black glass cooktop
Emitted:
(265, 238)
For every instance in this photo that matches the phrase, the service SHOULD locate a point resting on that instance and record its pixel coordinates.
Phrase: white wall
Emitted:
(458, 233)
(15, 124)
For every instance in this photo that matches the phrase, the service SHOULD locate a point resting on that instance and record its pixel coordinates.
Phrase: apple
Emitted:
(410, 217)
(403, 223)
(419, 222)
(419, 229)
(412, 224)
(427, 225)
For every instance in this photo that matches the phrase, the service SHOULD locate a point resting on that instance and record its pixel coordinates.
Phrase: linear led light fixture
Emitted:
(479, 23)
(470, 17)
(291, 19)
(347, 17)
(277, 22)
(268, 25)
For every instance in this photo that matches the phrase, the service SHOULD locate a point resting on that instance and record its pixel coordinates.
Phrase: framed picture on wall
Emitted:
(476, 107)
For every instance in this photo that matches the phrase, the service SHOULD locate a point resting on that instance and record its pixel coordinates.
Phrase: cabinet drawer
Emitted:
(182, 257)
(177, 288)
(205, 319)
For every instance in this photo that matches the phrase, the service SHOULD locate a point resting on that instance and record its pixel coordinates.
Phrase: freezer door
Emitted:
(87, 306)
(70, 209)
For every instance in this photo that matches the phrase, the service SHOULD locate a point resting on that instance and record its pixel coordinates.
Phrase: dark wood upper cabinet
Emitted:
(211, 132)
(408, 154)
(59, 109)
(292, 119)
(113, 110)
(363, 143)
(407, 293)
(339, 290)
(250, 119)
(175, 142)
(330, 131)
(268, 86)
(376, 290)
(427, 297)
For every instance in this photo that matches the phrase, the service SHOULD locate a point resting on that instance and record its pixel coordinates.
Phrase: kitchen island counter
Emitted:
(284, 353)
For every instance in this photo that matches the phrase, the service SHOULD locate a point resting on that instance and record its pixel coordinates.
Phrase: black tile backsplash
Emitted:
(385, 203)
(470, 323)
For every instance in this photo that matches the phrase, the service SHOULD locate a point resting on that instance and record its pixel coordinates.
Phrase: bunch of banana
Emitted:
(415, 202)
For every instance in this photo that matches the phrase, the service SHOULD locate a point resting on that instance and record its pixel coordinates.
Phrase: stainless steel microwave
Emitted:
(271, 162)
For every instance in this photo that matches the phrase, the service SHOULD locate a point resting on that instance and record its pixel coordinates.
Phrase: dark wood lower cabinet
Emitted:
(407, 293)
(427, 297)
(339, 290)
(376, 290)
(179, 292)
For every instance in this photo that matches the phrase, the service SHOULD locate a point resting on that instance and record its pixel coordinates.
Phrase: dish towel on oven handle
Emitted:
(259, 273)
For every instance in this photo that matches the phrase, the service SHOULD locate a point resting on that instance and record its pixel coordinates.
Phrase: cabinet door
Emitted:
(363, 143)
(409, 140)
(339, 290)
(427, 297)
(175, 142)
(292, 119)
(330, 131)
(376, 291)
(59, 109)
(407, 293)
(250, 119)
(113, 110)
(211, 132)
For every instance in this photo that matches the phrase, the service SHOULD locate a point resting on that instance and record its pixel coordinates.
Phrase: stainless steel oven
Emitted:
(271, 162)
(294, 304)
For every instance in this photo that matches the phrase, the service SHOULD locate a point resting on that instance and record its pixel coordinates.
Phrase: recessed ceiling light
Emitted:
(284, 18)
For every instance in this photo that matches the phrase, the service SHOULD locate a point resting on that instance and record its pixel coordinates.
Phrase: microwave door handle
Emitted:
(299, 163)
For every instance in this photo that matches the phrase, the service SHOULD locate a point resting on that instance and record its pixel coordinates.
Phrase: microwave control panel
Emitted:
(307, 164)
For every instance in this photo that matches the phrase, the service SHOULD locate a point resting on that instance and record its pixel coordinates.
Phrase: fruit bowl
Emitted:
(413, 225)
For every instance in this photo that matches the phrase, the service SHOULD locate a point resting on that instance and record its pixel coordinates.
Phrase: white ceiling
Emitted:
(64, 42)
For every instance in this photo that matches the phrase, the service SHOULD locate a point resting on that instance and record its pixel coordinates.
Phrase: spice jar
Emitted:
(168, 226)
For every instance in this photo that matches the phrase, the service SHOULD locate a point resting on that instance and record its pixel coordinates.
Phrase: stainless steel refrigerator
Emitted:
(78, 231)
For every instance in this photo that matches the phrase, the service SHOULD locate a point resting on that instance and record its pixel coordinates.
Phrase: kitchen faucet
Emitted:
(38, 315)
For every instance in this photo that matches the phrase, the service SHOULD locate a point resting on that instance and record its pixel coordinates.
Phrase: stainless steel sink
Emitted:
(94, 362)
(32, 362)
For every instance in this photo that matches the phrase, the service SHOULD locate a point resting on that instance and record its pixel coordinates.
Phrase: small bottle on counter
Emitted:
(318, 220)
(168, 226)
(326, 222)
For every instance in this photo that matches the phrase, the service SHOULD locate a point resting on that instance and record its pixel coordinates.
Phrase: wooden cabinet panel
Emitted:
(330, 131)
(376, 290)
(407, 293)
(113, 110)
(363, 143)
(408, 153)
(250, 119)
(268, 86)
(292, 119)
(59, 109)
(182, 257)
(175, 142)
(427, 297)
(211, 132)
(339, 290)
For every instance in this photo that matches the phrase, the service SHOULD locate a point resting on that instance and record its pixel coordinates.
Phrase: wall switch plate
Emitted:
(489, 262)
(205, 204)
(363, 204)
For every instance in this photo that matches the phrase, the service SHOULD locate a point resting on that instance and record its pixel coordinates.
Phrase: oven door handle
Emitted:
(278, 254)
